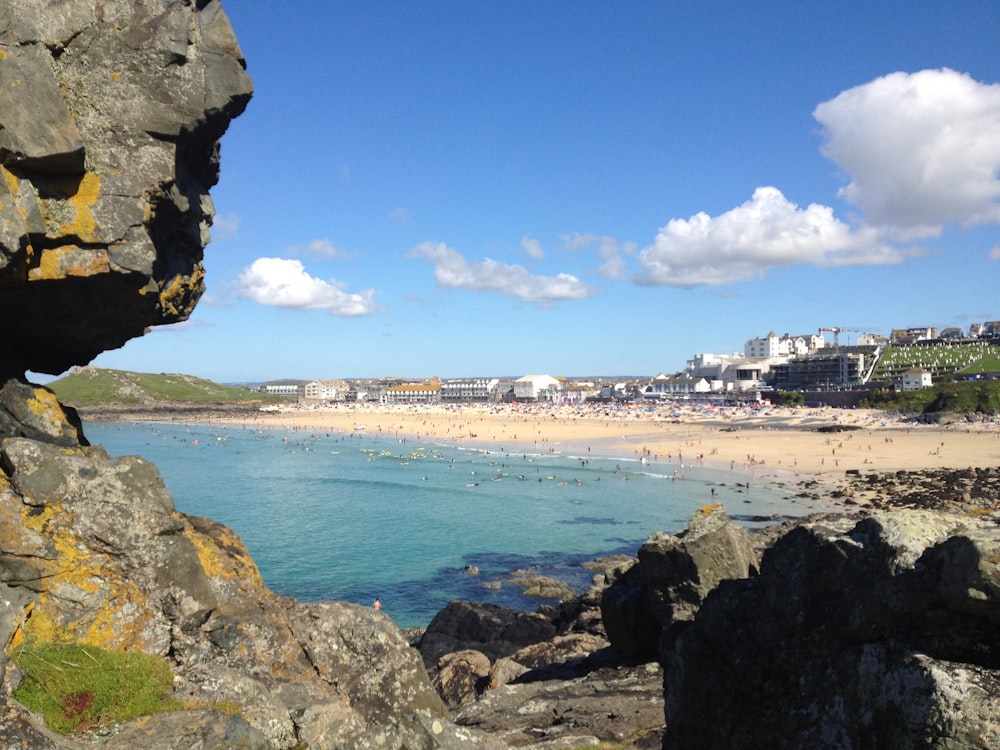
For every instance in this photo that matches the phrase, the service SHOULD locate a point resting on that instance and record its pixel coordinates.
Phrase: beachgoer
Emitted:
(377, 603)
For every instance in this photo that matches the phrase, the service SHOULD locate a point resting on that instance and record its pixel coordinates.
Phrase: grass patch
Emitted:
(76, 687)
(90, 385)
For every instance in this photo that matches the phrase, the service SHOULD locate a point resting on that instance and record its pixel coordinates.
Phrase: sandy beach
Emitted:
(769, 443)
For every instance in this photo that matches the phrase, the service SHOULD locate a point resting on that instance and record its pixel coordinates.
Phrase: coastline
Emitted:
(775, 445)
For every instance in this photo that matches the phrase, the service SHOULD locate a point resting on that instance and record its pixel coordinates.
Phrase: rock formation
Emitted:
(879, 632)
(110, 117)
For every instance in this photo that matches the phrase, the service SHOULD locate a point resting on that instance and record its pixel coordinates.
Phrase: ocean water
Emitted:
(332, 516)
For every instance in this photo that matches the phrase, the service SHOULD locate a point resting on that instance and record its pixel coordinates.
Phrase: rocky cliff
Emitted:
(110, 117)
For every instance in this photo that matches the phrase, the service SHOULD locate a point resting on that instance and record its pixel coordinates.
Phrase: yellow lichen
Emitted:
(178, 293)
(83, 201)
(64, 262)
(224, 557)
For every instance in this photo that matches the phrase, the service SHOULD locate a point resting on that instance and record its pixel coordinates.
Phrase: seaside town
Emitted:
(842, 371)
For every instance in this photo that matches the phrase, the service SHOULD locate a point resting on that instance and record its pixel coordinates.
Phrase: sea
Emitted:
(417, 524)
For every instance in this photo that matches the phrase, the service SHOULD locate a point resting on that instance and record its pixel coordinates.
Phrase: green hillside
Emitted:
(943, 361)
(92, 385)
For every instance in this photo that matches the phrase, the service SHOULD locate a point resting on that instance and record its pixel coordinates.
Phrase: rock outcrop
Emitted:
(670, 579)
(110, 119)
(873, 633)
(93, 551)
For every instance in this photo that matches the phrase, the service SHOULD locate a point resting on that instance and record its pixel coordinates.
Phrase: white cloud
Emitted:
(453, 271)
(995, 252)
(532, 247)
(284, 283)
(921, 150)
(766, 231)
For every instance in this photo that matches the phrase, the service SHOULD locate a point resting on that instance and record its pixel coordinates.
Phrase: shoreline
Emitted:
(812, 446)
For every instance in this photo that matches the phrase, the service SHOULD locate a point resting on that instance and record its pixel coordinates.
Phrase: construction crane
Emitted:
(836, 330)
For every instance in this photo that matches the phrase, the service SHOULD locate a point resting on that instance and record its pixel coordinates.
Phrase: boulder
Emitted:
(460, 675)
(872, 633)
(671, 578)
(488, 628)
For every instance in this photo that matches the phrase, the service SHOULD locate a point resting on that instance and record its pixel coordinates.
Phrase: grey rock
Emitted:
(673, 575)
(873, 633)
(110, 118)
(493, 630)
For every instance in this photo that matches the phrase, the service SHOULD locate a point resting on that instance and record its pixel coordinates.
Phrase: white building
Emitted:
(470, 390)
(536, 388)
(325, 390)
(670, 386)
(773, 346)
(284, 388)
(916, 379)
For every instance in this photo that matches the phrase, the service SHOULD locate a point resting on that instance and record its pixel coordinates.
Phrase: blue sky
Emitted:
(501, 188)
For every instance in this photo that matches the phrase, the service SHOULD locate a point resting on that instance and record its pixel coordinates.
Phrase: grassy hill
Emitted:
(943, 361)
(92, 385)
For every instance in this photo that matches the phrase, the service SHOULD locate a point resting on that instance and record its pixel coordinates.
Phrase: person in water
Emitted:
(378, 603)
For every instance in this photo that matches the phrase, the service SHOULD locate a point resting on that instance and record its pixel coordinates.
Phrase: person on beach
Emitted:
(377, 603)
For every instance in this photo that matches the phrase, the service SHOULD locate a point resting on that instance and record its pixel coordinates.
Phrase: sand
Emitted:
(768, 443)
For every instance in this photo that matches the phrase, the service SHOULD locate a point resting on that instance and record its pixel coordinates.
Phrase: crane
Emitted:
(836, 330)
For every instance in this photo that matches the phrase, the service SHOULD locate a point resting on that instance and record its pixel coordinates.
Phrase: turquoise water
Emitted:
(343, 517)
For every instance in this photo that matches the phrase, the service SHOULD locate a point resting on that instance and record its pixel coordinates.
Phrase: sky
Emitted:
(466, 188)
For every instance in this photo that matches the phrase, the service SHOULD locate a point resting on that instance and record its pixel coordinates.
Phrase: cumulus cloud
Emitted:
(284, 283)
(453, 271)
(766, 231)
(921, 149)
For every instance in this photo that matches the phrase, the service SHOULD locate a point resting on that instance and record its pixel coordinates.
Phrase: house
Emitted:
(670, 386)
(915, 379)
(536, 388)
(912, 335)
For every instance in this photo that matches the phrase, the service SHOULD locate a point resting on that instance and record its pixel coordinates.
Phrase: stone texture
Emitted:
(873, 633)
(671, 578)
(110, 117)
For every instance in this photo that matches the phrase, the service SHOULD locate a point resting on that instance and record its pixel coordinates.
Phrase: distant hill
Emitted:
(88, 386)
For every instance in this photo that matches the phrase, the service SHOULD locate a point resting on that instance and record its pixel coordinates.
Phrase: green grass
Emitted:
(941, 360)
(77, 687)
(91, 385)
(966, 397)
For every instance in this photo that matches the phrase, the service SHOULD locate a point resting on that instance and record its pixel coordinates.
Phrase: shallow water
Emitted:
(346, 517)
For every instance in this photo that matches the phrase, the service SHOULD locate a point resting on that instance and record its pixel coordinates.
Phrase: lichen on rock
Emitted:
(110, 120)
